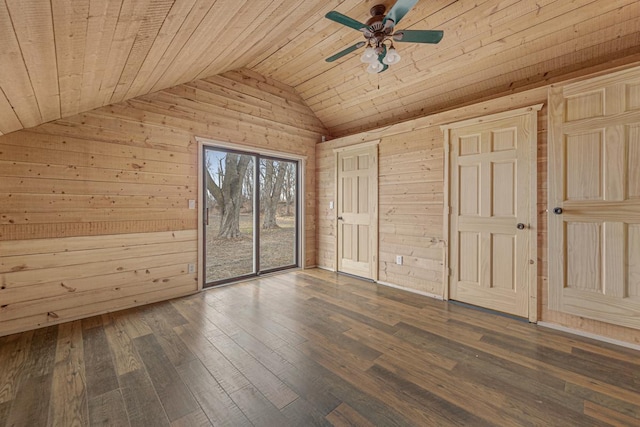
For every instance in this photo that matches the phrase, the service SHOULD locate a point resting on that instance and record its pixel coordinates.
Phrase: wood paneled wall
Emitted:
(411, 204)
(94, 208)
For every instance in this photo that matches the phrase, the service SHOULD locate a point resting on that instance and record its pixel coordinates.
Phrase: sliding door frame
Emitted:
(263, 154)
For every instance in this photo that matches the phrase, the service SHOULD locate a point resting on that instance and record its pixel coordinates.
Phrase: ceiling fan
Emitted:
(378, 31)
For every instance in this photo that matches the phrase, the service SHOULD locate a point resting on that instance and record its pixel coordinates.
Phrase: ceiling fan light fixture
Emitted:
(379, 35)
(392, 57)
(374, 67)
(369, 56)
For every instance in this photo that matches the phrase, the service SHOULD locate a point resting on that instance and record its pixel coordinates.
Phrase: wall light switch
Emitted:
(399, 259)
(331, 204)
(192, 204)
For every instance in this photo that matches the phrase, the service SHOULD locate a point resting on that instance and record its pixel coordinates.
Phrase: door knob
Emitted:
(340, 218)
(520, 226)
(557, 211)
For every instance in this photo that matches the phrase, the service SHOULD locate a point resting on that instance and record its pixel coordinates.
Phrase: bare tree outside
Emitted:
(229, 194)
(290, 181)
(272, 185)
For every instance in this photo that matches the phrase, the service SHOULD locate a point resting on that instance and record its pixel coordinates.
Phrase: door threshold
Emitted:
(253, 277)
(366, 279)
(489, 311)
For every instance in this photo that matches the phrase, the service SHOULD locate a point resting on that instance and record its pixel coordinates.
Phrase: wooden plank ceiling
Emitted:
(62, 57)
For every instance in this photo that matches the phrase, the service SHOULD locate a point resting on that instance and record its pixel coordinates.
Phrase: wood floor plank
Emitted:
(253, 318)
(14, 354)
(463, 353)
(125, 357)
(227, 375)
(91, 322)
(301, 383)
(141, 401)
(276, 391)
(42, 353)
(176, 398)
(257, 408)
(328, 382)
(627, 375)
(68, 405)
(132, 322)
(302, 413)
(609, 416)
(392, 345)
(108, 409)
(522, 385)
(5, 407)
(33, 394)
(356, 375)
(587, 395)
(229, 323)
(358, 316)
(313, 348)
(522, 391)
(345, 416)
(443, 412)
(31, 405)
(161, 318)
(99, 368)
(194, 419)
(215, 402)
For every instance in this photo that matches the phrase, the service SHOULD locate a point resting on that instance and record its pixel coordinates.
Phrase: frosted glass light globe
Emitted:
(392, 57)
(369, 56)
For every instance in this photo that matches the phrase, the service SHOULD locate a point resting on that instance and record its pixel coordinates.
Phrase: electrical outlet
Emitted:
(191, 268)
(399, 259)
(192, 204)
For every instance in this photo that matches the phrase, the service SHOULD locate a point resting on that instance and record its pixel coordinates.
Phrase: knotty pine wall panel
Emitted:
(94, 208)
(411, 205)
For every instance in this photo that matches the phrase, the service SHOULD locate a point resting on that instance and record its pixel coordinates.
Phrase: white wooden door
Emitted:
(594, 178)
(357, 211)
(491, 221)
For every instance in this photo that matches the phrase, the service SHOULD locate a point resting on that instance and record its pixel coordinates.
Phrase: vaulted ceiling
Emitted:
(62, 57)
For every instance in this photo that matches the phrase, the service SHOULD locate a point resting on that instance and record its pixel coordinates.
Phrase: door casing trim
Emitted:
(374, 219)
(533, 202)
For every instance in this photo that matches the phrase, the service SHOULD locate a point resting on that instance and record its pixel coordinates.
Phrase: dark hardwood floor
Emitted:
(312, 348)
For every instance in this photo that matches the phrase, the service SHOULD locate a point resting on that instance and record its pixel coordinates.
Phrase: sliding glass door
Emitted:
(278, 219)
(250, 214)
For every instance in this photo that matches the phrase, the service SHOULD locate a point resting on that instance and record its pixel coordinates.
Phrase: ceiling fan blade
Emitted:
(418, 36)
(345, 52)
(345, 20)
(398, 10)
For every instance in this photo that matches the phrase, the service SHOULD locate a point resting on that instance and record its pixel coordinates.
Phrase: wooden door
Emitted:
(357, 211)
(492, 220)
(594, 178)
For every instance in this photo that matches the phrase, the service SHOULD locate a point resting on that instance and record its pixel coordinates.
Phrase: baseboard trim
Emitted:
(320, 267)
(414, 291)
(589, 335)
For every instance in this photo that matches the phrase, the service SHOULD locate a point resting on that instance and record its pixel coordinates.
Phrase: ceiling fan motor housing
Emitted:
(376, 31)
